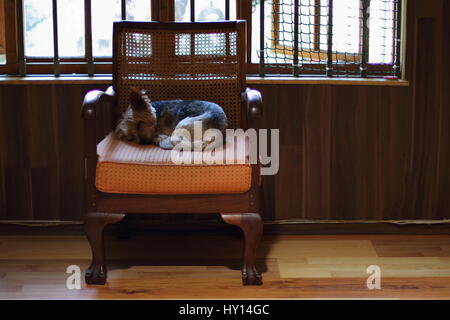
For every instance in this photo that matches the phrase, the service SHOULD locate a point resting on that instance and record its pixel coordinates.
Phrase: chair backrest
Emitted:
(178, 60)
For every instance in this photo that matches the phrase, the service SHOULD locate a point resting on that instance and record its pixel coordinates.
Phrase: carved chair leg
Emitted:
(94, 224)
(251, 226)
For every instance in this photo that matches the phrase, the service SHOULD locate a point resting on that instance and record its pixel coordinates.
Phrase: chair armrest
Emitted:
(89, 112)
(93, 98)
(252, 101)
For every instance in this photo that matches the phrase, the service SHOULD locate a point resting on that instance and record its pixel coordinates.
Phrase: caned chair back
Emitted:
(203, 61)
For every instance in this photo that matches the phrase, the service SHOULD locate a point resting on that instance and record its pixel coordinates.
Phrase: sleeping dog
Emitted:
(147, 122)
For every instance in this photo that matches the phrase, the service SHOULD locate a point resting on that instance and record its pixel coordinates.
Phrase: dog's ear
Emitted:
(137, 100)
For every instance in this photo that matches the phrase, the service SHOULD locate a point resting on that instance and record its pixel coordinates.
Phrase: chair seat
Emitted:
(129, 168)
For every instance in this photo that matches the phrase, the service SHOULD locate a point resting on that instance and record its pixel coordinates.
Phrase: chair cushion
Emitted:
(125, 167)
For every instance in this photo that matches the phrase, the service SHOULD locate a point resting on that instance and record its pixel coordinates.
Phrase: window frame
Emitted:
(355, 65)
(316, 52)
(45, 65)
(2, 29)
(161, 10)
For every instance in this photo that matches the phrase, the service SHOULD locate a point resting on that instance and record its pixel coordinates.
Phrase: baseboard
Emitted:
(215, 226)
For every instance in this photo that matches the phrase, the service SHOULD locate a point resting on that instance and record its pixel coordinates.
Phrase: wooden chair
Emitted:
(204, 61)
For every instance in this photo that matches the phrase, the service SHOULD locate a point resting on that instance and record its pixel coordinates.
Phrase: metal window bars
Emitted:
(89, 59)
(88, 55)
(88, 37)
(307, 37)
(358, 38)
(192, 4)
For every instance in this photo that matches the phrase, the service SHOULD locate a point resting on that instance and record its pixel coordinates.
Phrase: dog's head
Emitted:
(139, 120)
(144, 116)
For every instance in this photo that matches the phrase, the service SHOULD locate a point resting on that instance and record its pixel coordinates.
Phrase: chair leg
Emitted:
(251, 226)
(94, 224)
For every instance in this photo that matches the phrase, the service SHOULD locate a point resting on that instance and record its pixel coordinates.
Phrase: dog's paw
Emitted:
(164, 142)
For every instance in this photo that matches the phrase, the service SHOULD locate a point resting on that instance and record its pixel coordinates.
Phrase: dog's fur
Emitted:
(147, 122)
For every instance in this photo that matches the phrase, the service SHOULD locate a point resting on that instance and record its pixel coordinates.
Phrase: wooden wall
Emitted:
(347, 152)
(41, 149)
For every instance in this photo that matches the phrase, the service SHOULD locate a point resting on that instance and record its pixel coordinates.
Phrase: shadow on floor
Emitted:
(180, 248)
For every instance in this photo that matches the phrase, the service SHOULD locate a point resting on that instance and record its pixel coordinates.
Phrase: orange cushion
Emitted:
(125, 167)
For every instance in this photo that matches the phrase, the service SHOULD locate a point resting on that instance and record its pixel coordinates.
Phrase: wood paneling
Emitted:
(346, 152)
(426, 123)
(443, 200)
(41, 149)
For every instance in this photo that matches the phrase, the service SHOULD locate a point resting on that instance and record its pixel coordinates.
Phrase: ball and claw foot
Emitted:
(96, 274)
(251, 277)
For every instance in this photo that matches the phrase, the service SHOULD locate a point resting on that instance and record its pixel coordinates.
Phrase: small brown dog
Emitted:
(147, 122)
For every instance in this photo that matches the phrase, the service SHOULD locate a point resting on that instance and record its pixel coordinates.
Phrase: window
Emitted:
(340, 37)
(285, 37)
(54, 34)
(206, 10)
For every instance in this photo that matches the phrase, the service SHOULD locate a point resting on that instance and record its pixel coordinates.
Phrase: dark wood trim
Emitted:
(105, 68)
(69, 68)
(239, 9)
(245, 13)
(2, 27)
(71, 60)
(156, 10)
(251, 80)
(357, 228)
(197, 26)
(167, 10)
(216, 226)
(232, 203)
(20, 42)
(12, 65)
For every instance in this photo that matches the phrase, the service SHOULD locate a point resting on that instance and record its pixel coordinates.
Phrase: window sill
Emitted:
(328, 81)
(251, 80)
(13, 80)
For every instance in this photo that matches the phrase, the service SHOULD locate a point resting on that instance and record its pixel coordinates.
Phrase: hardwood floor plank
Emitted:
(207, 267)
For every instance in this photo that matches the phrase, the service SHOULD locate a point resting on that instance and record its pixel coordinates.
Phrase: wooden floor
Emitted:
(207, 267)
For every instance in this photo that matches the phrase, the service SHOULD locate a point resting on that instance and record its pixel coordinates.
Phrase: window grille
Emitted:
(330, 37)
